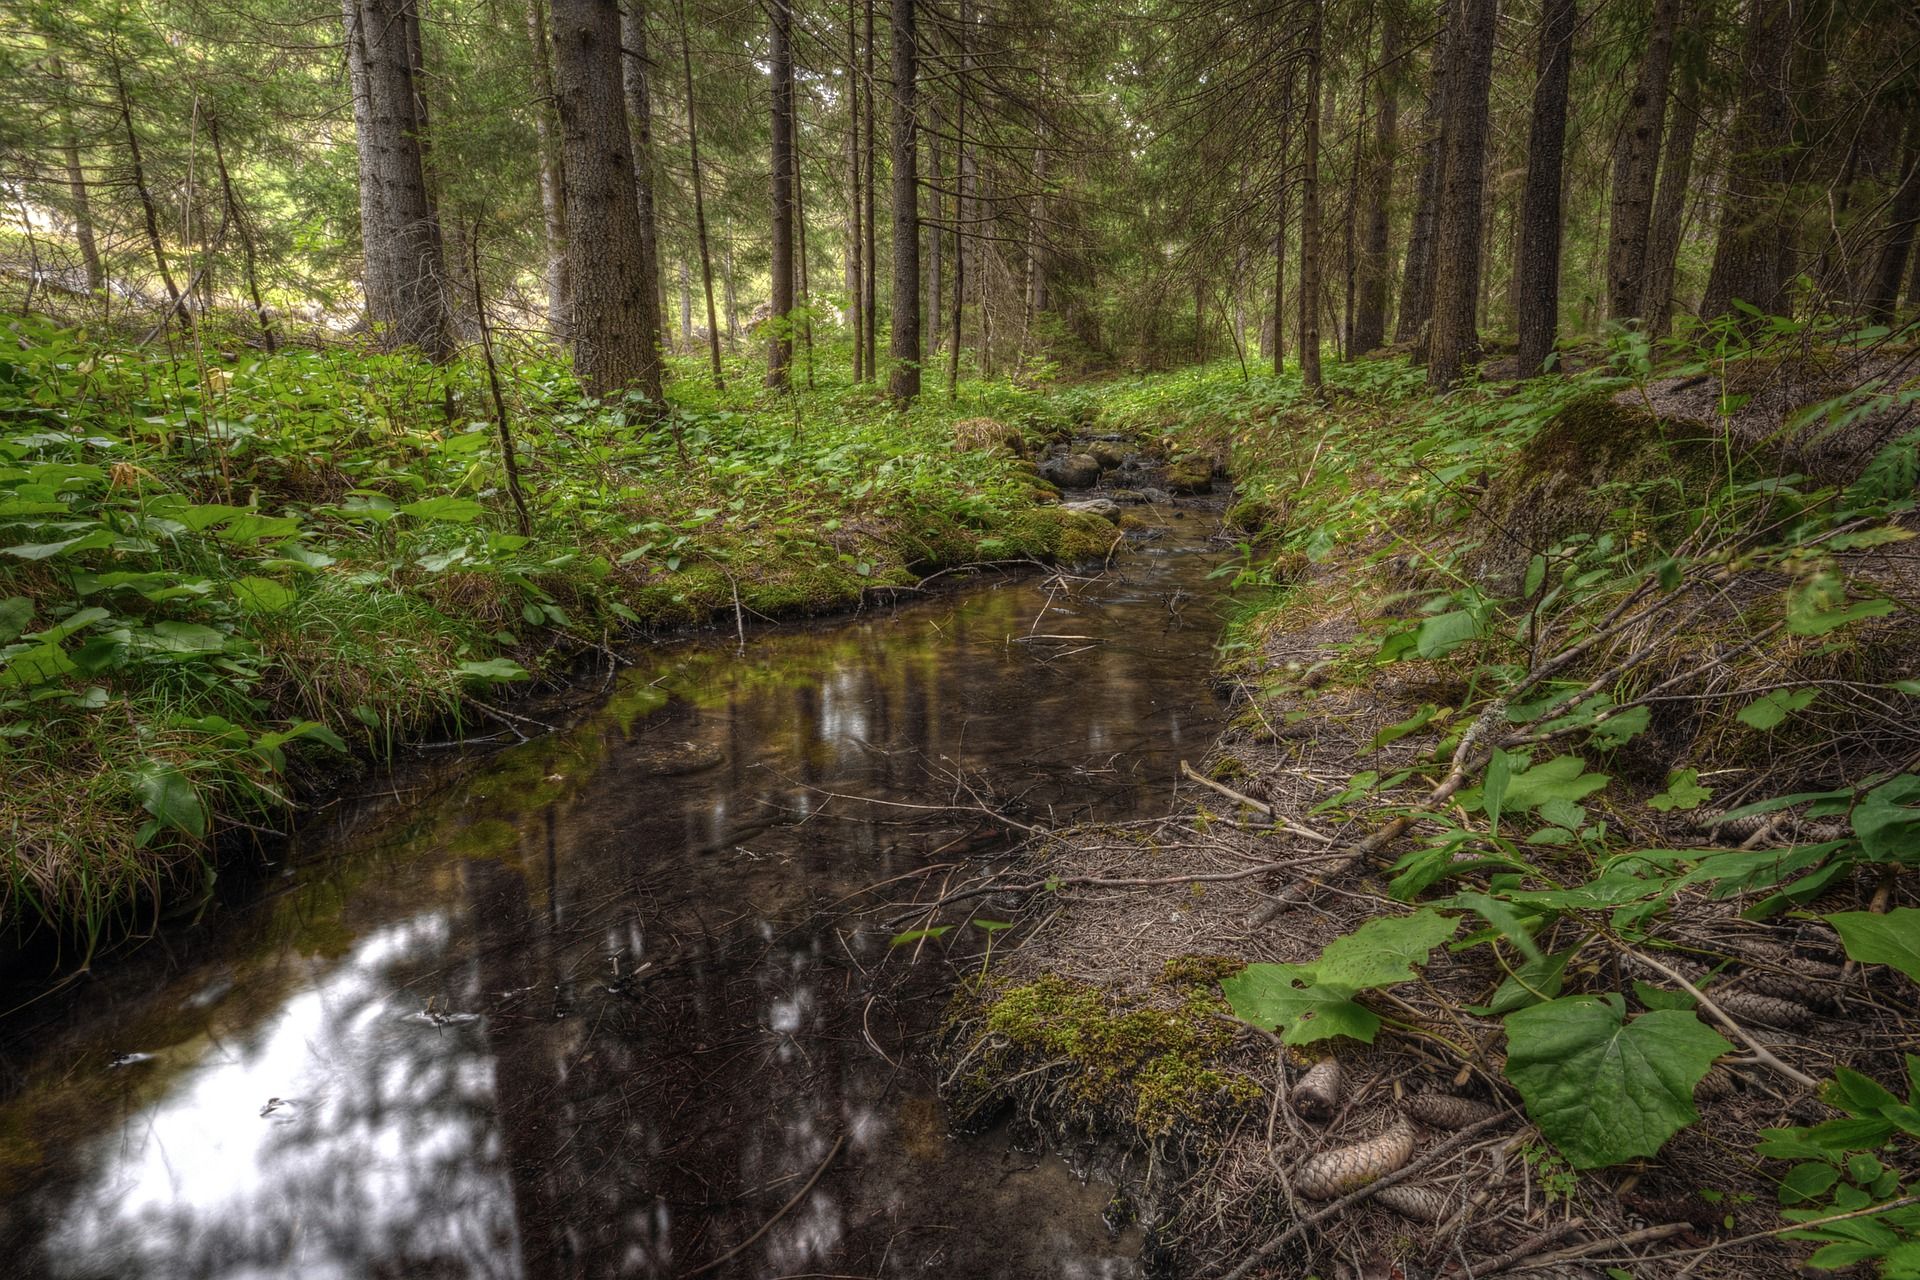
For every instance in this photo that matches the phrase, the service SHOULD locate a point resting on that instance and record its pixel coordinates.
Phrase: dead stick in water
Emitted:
(779, 1213)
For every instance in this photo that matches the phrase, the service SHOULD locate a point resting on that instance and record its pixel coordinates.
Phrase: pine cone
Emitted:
(1317, 1094)
(1744, 1006)
(1719, 1082)
(1446, 1110)
(1332, 1174)
(1800, 988)
(1422, 1204)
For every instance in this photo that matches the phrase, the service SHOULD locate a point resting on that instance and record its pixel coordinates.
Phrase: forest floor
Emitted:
(1621, 707)
(229, 579)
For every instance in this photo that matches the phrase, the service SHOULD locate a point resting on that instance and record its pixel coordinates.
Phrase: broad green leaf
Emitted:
(1412, 724)
(1892, 938)
(40, 664)
(1604, 1088)
(169, 795)
(253, 527)
(1442, 634)
(1285, 998)
(1683, 793)
(15, 613)
(1533, 982)
(181, 638)
(1382, 951)
(1562, 778)
(262, 595)
(1887, 820)
(78, 620)
(493, 669)
(92, 541)
(1820, 606)
(1618, 730)
(1770, 708)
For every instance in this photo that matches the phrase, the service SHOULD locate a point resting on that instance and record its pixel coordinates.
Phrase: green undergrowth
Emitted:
(1622, 624)
(223, 575)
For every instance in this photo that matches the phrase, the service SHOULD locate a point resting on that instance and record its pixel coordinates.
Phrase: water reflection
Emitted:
(600, 1004)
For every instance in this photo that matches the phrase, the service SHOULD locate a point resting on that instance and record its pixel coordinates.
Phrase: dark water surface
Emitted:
(602, 1003)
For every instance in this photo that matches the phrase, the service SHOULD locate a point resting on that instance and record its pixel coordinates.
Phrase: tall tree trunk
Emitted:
(856, 198)
(870, 277)
(936, 240)
(904, 380)
(1537, 270)
(614, 345)
(407, 290)
(636, 83)
(1310, 246)
(1891, 264)
(1636, 158)
(1278, 325)
(803, 290)
(77, 193)
(726, 278)
(959, 200)
(686, 305)
(700, 207)
(1456, 279)
(1746, 254)
(1370, 316)
(553, 180)
(1416, 280)
(243, 224)
(780, 351)
(1670, 206)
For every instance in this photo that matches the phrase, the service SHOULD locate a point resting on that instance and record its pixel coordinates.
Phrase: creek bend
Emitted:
(603, 1002)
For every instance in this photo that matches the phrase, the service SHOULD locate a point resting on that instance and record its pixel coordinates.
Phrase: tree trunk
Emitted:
(1310, 247)
(1636, 159)
(1537, 270)
(856, 237)
(904, 381)
(149, 211)
(1746, 254)
(636, 85)
(407, 290)
(615, 329)
(870, 277)
(1884, 290)
(1416, 281)
(686, 305)
(803, 290)
(700, 207)
(1455, 343)
(780, 351)
(553, 181)
(935, 239)
(1370, 314)
(959, 202)
(248, 256)
(1278, 335)
(77, 183)
(1670, 207)
(726, 283)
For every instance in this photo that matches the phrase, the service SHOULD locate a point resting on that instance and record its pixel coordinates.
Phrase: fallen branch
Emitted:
(1522, 1252)
(1761, 1053)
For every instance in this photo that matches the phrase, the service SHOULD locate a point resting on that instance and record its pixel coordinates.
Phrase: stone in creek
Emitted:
(1155, 495)
(1107, 454)
(1190, 473)
(1075, 471)
(1095, 506)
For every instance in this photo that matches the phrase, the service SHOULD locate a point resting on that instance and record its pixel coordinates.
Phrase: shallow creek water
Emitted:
(607, 1001)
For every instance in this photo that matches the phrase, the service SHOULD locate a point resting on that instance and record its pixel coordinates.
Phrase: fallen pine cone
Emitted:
(1446, 1110)
(1334, 1173)
(1422, 1204)
(1745, 1006)
(1719, 1082)
(1318, 1093)
(1803, 989)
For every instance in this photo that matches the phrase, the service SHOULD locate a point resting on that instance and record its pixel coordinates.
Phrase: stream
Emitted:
(621, 999)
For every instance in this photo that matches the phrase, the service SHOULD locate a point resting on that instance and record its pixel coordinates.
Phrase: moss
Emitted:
(1189, 473)
(1254, 515)
(1152, 1067)
(1199, 971)
(1057, 534)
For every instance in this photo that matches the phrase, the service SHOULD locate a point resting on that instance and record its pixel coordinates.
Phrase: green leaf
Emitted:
(1618, 730)
(1412, 724)
(15, 613)
(458, 510)
(1604, 1089)
(1770, 708)
(1383, 951)
(262, 595)
(181, 638)
(1819, 606)
(1807, 1181)
(45, 550)
(915, 935)
(1562, 778)
(1533, 982)
(1683, 793)
(493, 669)
(79, 620)
(169, 795)
(1442, 634)
(1892, 938)
(1285, 998)
(1887, 820)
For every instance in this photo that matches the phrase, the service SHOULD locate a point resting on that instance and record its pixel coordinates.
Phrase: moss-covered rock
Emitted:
(1188, 473)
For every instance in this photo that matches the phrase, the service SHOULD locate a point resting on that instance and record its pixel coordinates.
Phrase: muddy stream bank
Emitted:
(615, 1000)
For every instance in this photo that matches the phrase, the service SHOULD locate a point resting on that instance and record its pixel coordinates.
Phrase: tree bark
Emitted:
(1904, 213)
(856, 236)
(1746, 256)
(615, 330)
(553, 181)
(904, 378)
(870, 277)
(1670, 207)
(636, 83)
(149, 211)
(1278, 326)
(1310, 247)
(1416, 280)
(700, 205)
(1455, 342)
(959, 201)
(1370, 316)
(248, 255)
(77, 193)
(1636, 159)
(936, 240)
(1537, 271)
(780, 350)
